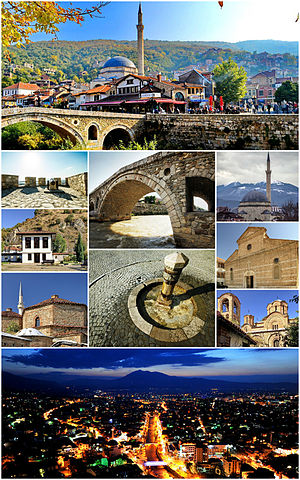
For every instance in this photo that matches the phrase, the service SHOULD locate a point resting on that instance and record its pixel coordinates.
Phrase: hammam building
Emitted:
(52, 322)
(271, 331)
(262, 262)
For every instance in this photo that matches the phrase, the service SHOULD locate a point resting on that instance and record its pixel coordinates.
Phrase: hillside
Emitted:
(73, 58)
(281, 193)
(69, 223)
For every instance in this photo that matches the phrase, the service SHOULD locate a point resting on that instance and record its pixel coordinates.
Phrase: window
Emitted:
(45, 242)
(29, 256)
(275, 308)
(36, 242)
(231, 274)
(260, 93)
(37, 322)
(44, 257)
(274, 326)
(27, 242)
(276, 260)
(249, 246)
(92, 132)
(276, 343)
(130, 82)
(200, 194)
(276, 274)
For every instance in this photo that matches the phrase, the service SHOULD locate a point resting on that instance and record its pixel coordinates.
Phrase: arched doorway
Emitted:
(92, 132)
(114, 137)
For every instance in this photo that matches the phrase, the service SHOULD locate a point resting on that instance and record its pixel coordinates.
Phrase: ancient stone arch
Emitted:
(93, 132)
(249, 279)
(120, 197)
(115, 128)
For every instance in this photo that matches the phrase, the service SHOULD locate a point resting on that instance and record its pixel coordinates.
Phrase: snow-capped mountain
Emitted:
(230, 195)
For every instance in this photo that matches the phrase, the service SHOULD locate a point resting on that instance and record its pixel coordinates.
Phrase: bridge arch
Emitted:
(93, 132)
(62, 128)
(119, 197)
(114, 133)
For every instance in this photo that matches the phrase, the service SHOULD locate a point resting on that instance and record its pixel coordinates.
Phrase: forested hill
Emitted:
(73, 58)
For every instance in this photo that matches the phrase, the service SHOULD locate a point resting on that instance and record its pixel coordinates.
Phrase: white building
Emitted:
(20, 88)
(36, 247)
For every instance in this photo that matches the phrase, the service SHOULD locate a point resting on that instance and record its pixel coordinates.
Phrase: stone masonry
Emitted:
(173, 132)
(78, 182)
(30, 181)
(9, 181)
(176, 178)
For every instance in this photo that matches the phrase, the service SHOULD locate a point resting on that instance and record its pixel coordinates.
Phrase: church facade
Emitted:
(271, 331)
(262, 262)
(51, 322)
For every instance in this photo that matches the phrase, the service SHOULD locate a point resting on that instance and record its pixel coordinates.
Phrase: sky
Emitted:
(243, 364)
(234, 167)
(10, 217)
(200, 21)
(44, 164)
(255, 302)
(227, 234)
(104, 164)
(40, 286)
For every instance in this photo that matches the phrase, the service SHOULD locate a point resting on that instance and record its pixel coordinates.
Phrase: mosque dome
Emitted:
(30, 332)
(254, 197)
(119, 61)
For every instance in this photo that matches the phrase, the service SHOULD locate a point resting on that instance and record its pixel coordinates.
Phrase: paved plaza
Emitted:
(112, 277)
(41, 197)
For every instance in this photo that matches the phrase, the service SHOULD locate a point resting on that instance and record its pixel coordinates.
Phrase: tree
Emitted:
(292, 337)
(230, 81)
(79, 249)
(288, 91)
(20, 20)
(59, 244)
(13, 327)
(290, 211)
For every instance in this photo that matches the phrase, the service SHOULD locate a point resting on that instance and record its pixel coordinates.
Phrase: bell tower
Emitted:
(140, 41)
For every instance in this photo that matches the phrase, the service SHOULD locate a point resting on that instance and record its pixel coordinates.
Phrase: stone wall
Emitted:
(14, 341)
(149, 209)
(42, 181)
(167, 174)
(8, 319)
(58, 180)
(9, 181)
(78, 182)
(223, 132)
(30, 181)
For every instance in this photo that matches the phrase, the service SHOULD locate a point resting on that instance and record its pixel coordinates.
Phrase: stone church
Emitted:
(262, 262)
(51, 322)
(271, 331)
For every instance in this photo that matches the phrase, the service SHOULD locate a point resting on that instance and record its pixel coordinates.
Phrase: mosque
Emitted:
(256, 205)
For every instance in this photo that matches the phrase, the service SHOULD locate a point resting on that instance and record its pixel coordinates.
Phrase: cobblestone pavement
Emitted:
(40, 197)
(148, 231)
(26, 267)
(110, 324)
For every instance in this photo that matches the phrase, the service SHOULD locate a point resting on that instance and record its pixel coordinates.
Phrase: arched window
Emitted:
(276, 274)
(92, 132)
(225, 306)
(231, 274)
(97, 203)
(275, 326)
(249, 246)
(234, 308)
(37, 322)
(276, 343)
(92, 206)
(179, 97)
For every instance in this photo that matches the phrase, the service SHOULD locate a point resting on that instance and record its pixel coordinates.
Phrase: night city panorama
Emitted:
(154, 413)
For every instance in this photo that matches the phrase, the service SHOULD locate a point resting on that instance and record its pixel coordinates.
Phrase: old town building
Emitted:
(51, 322)
(262, 262)
(271, 331)
(36, 247)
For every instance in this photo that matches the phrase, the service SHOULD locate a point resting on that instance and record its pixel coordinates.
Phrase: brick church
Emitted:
(53, 322)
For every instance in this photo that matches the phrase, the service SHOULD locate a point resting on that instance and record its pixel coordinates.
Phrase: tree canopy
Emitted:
(230, 81)
(288, 91)
(20, 20)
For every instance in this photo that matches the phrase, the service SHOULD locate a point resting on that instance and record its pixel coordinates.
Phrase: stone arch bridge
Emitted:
(92, 130)
(177, 178)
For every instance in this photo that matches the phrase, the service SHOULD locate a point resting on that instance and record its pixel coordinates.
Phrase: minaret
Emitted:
(140, 42)
(20, 304)
(268, 179)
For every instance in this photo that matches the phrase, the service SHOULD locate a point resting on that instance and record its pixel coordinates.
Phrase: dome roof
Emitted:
(30, 332)
(119, 61)
(254, 196)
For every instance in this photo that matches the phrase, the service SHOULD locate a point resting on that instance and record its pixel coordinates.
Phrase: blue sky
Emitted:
(248, 363)
(40, 286)
(10, 217)
(227, 234)
(200, 21)
(44, 164)
(255, 302)
(104, 164)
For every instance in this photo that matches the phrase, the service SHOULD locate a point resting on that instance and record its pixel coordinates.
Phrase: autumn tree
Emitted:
(230, 81)
(20, 20)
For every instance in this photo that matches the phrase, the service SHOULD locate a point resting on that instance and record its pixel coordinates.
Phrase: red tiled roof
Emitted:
(228, 323)
(52, 301)
(102, 88)
(6, 313)
(24, 86)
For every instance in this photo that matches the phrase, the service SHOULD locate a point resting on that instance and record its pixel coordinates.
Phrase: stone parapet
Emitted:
(30, 181)
(42, 181)
(9, 181)
(78, 182)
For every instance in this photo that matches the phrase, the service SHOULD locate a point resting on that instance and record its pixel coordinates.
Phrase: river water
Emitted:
(141, 231)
